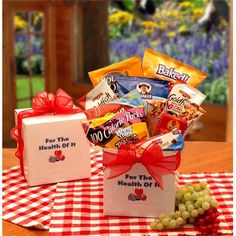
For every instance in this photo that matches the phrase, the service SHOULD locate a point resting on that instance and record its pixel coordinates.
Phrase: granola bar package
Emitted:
(160, 66)
(99, 95)
(130, 100)
(148, 88)
(113, 130)
(130, 67)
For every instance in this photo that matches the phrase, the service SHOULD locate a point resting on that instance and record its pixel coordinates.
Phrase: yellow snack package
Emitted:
(160, 66)
(129, 67)
(113, 130)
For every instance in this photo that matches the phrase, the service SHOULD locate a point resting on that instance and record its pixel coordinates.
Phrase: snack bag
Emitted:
(99, 95)
(148, 88)
(160, 66)
(171, 141)
(169, 122)
(131, 67)
(191, 113)
(153, 110)
(130, 100)
(180, 95)
(113, 130)
(186, 118)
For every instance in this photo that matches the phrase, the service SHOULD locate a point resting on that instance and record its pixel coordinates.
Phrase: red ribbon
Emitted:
(42, 103)
(151, 158)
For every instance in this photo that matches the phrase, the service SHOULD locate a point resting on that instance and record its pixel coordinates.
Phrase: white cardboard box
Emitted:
(117, 193)
(47, 135)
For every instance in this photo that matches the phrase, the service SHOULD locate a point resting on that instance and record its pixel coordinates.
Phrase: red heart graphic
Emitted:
(58, 153)
(144, 197)
(139, 191)
(62, 158)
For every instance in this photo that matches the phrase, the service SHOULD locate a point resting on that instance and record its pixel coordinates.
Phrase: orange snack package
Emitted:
(157, 65)
(130, 67)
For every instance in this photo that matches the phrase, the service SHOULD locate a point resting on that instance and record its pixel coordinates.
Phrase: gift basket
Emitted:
(138, 113)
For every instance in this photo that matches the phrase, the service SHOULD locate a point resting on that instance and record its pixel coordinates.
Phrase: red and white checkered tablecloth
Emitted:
(78, 207)
(25, 206)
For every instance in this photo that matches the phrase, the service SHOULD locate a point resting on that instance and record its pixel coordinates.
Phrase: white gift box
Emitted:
(135, 193)
(55, 148)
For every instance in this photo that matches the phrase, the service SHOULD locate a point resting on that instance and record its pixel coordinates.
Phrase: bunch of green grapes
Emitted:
(192, 200)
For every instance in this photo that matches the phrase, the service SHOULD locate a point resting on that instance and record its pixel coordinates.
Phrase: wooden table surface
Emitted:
(196, 157)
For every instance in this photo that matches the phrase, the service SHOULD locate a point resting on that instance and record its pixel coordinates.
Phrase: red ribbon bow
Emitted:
(151, 158)
(42, 103)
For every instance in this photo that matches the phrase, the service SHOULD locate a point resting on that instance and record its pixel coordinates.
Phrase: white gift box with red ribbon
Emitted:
(52, 145)
(141, 182)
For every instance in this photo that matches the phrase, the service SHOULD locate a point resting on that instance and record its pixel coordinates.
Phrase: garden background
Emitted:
(173, 29)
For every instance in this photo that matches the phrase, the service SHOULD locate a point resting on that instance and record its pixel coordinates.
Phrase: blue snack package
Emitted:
(132, 99)
(147, 88)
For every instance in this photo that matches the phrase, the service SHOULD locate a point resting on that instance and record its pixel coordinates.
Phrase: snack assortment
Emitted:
(161, 90)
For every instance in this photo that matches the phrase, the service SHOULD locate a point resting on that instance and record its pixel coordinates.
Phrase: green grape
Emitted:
(179, 196)
(179, 221)
(173, 224)
(201, 194)
(183, 190)
(187, 196)
(200, 211)
(206, 198)
(194, 213)
(206, 205)
(197, 187)
(160, 226)
(214, 203)
(165, 221)
(191, 219)
(195, 196)
(190, 208)
(190, 189)
(185, 214)
(188, 203)
(177, 214)
(172, 214)
(153, 225)
(200, 200)
(197, 204)
(203, 185)
(161, 216)
(184, 200)
(182, 207)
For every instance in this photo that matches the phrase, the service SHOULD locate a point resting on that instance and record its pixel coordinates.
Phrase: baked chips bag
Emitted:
(160, 66)
(130, 67)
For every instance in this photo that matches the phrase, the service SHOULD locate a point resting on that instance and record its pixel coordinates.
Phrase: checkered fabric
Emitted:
(25, 206)
(78, 207)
